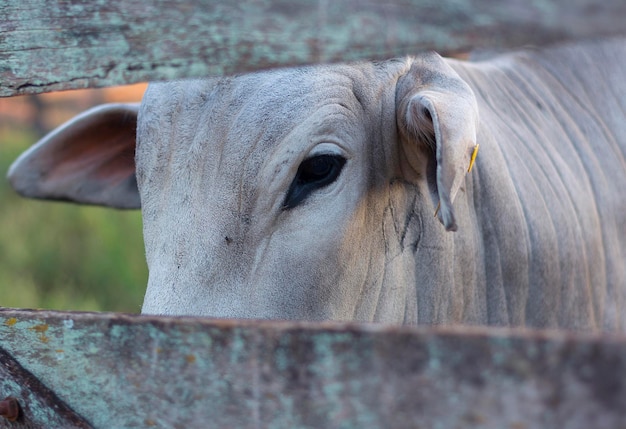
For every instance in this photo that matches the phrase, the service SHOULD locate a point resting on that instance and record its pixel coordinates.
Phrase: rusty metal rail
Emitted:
(119, 371)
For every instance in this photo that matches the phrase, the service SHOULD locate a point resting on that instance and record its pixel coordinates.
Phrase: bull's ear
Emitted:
(90, 159)
(437, 118)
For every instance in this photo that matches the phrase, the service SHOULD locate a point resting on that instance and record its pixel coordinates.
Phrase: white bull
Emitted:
(310, 193)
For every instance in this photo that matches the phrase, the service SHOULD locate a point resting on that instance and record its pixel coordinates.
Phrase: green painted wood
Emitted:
(49, 45)
(121, 371)
(39, 408)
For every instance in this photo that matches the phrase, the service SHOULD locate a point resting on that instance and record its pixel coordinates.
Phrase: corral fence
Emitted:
(78, 370)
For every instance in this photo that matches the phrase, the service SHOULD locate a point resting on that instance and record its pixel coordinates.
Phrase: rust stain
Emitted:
(60, 351)
(40, 328)
(149, 422)
(190, 358)
(10, 322)
(475, 419)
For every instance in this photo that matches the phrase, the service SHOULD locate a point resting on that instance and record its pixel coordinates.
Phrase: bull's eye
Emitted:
(314, 173)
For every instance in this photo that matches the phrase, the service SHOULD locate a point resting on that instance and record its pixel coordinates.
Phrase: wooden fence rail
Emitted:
(52, 45)
(78, 370)
(120, 371)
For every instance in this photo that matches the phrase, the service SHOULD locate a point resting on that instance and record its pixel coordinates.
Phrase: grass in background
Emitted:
(63, 256)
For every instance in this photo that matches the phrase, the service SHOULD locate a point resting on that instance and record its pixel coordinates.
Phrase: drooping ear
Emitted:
(90, 159)
(437, 117)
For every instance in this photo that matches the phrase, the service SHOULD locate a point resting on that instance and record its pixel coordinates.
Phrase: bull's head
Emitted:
(301, 193)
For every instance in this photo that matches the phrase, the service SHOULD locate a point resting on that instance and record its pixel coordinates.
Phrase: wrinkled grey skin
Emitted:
(534, 235)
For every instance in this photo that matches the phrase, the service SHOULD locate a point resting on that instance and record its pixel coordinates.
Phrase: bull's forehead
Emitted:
(217, 139)
(261, 105)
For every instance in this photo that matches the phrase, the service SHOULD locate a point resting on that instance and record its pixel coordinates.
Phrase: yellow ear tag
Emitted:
(471, 165)
(437, 209)
(473, 158)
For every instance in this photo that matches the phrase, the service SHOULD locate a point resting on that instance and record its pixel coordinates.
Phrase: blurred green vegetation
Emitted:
(63, 256)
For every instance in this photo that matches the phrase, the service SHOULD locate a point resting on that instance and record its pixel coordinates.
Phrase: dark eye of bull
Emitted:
(314, 173)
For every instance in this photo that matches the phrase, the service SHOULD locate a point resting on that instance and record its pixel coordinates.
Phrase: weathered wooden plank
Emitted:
(37, 407)
(50, 45)
(132, 371)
